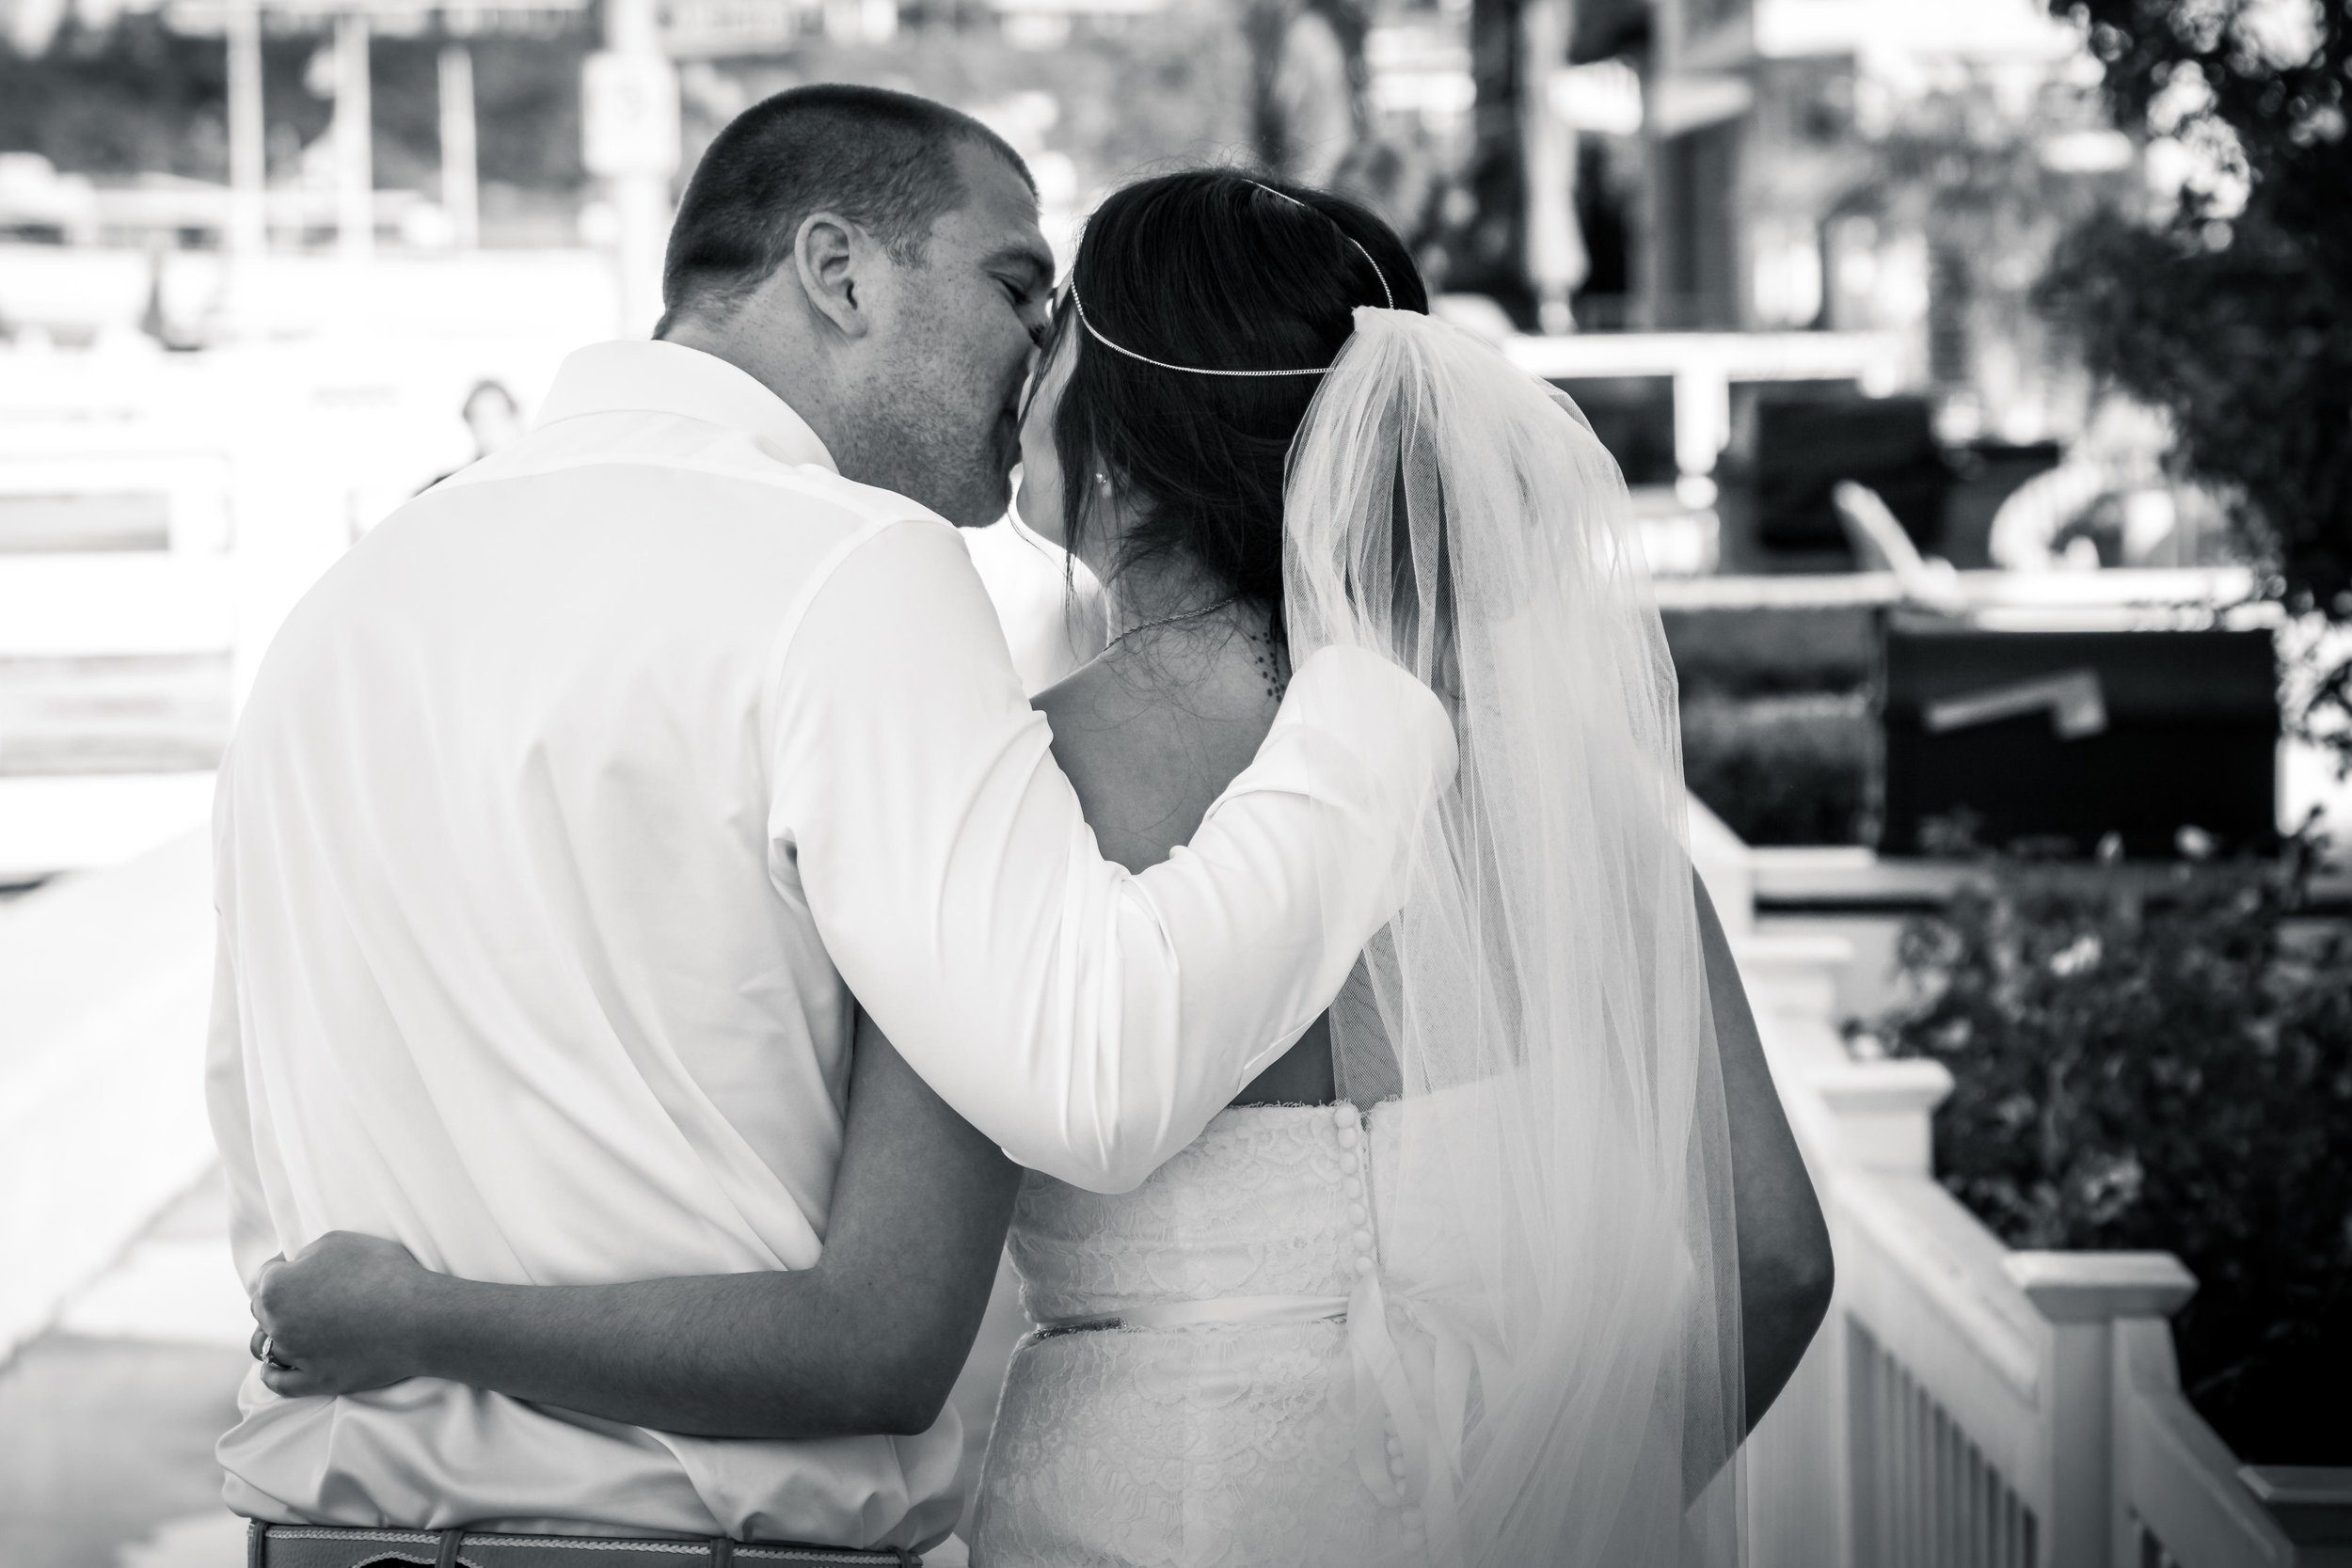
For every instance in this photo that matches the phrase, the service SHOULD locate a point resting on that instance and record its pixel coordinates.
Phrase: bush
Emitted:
(1784, 769)
(1777, 734)
(2163, 1061)
(1748, 649)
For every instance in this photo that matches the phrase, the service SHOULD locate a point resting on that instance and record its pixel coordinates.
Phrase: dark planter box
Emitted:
(1807, 443)
(2071, 736)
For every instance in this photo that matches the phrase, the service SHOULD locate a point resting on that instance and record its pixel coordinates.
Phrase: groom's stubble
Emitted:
(938, 397)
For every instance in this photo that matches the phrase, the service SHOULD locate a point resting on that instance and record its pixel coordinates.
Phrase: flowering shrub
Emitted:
(2163, 1060)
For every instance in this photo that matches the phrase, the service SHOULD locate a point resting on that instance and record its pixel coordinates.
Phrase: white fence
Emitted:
(1965, 1405)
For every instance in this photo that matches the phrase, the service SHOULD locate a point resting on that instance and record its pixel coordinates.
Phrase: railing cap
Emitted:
(1893, 1084)
(1780, 951)
(2311, 1504)
(2100, 1287)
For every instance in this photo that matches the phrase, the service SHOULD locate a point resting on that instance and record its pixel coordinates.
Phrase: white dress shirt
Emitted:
(1049, 606)
(567, 813)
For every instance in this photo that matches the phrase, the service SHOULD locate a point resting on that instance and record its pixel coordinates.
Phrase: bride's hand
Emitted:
(338, 1317)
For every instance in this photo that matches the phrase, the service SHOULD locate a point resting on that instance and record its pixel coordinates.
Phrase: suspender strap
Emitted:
(452, 1540)
(721, 1551)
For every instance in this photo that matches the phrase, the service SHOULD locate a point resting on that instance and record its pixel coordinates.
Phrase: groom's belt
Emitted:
(326, 1547)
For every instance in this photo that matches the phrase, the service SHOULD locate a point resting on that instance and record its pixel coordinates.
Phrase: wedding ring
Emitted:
(269, 1355)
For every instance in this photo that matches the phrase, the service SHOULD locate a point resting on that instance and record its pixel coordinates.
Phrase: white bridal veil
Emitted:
(1552, 1343)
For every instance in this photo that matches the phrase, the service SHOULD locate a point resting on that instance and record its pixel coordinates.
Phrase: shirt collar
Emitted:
(652, 377)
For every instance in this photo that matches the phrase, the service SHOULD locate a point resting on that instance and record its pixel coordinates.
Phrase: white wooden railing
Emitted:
(1966, 1405)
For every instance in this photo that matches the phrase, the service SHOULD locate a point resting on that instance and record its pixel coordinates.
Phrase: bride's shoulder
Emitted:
(1100, 723)
(1144, 760)
(1086, 696)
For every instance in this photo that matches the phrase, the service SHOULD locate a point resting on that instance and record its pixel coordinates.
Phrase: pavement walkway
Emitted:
(108, 1419)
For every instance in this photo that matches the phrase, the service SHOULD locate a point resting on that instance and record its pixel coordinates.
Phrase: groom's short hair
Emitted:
(883, 160)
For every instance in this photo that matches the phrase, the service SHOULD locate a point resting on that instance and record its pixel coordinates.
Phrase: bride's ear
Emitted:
(832, 258)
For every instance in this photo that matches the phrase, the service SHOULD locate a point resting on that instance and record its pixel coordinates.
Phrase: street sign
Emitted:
(628, 116)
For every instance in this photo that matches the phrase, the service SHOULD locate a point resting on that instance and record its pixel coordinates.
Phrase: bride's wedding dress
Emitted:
(1189, 1397)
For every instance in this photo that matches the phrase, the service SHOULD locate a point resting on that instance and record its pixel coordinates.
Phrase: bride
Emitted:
(1499, 1264)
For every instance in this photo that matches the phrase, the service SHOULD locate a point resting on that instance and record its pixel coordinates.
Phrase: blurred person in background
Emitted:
(1310, 87)
(1312, 120)
(494, 420)
(492, 417)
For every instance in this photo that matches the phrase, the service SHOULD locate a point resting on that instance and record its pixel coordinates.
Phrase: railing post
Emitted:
(2080, 1296)
(1875, 1120)
(1884, 1112)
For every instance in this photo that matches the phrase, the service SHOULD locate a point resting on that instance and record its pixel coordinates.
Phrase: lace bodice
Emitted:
(1263, 1203)
(1213, 1424)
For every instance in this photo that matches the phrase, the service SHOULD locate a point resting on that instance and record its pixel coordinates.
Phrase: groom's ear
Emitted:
(831, 255)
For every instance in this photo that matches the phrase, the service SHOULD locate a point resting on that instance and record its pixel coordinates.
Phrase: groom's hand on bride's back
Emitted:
(337, 1316)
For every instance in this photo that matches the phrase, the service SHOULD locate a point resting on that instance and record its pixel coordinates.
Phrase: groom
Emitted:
(572, 810)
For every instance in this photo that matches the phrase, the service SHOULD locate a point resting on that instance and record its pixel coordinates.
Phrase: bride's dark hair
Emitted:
(1209, 268)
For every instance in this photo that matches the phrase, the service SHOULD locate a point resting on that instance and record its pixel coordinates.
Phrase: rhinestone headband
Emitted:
(1096, 333)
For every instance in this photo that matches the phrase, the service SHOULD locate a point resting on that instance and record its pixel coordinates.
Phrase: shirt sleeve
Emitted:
(1089, 1020)
(252, 1237)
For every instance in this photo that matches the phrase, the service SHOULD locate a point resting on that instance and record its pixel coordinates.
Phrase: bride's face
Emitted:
(1040, 500)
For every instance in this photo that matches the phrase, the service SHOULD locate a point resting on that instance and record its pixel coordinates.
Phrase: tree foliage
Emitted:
(2230, 305)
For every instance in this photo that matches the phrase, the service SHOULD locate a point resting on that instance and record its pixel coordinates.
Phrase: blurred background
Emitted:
(1982, 373)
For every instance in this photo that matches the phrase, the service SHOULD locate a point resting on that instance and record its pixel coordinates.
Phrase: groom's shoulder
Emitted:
(870, 504)
(819, 486)
(676, 452)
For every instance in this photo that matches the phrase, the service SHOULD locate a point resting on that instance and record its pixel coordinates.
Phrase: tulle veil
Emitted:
(1550, 1350)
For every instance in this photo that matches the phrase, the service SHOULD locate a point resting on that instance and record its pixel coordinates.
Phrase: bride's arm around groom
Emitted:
(869, 1338)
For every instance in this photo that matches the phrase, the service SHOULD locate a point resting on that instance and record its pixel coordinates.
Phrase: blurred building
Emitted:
(1868, 165)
